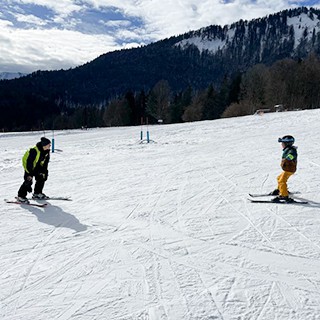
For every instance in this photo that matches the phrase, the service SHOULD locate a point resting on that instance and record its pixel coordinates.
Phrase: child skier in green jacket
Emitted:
(35, 163)
(289, 167)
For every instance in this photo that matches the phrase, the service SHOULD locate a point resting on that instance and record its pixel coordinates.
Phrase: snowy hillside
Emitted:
(164, 230)
(298, 28)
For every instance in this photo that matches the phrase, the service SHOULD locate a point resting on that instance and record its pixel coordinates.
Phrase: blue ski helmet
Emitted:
(287, 140)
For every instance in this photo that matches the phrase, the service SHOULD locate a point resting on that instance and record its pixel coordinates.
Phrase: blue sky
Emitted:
(60, 34)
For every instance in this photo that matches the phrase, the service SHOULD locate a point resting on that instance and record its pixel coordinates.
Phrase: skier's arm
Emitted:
(290, 156)
(30, 160)
(46, 162)
(289, 161)
(44, 167)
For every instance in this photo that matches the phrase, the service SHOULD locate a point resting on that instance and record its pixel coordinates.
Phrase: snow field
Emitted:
(164, 230)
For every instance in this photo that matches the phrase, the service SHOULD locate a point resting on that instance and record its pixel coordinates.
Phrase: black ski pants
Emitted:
(27, 185)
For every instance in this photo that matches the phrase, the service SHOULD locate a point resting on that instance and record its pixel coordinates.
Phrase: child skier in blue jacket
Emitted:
(289, 167)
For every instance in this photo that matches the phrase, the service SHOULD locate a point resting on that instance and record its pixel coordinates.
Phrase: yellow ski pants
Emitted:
(282, 183)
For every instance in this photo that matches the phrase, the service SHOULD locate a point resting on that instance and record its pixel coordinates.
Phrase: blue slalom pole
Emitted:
(148, 135)
(141, 131)
(52, 145)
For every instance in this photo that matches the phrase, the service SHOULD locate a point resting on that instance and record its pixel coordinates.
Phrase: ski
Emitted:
(53, 198)
(280, 202)
(257, 195)
(41, 205)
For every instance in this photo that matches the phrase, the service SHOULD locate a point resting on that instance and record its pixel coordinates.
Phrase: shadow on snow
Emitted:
(55, 216)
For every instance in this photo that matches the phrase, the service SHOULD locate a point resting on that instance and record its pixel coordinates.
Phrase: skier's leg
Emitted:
(282, 183)
(39, 184)
(25, 187)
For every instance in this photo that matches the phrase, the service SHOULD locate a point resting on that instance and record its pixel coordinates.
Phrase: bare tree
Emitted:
(237, 109)
(194, 112)
(117, 113)
(158, 102)
(254, 87)
(309, 77)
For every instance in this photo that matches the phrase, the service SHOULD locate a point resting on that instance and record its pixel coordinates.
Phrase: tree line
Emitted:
(292, 83)
(295, 84)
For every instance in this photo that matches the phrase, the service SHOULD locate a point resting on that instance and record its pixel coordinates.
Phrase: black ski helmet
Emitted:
(287, 140)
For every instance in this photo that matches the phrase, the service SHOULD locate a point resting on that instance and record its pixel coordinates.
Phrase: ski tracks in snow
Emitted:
(287, 291)
(174, 241)
(42, 250)
(172, 236)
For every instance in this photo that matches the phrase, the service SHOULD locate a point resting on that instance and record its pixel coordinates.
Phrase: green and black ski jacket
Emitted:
(36, 160)
(289, 159)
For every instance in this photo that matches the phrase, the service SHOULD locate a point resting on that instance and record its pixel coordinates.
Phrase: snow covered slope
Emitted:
(286, 30)
(164, 230)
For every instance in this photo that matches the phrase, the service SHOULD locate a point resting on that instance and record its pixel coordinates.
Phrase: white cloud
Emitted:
(132, 23)
(165, 18)
(116, 23)
(31, 19)
(35, 49)
(4, 24)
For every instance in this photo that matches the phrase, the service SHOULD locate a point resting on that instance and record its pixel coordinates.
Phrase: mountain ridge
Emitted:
(293, 33)
(184, 59)
(294, 29)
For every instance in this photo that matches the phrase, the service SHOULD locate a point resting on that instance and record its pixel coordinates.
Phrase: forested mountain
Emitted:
(194, 60)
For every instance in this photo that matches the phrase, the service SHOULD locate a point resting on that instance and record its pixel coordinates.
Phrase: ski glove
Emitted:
(44, 175)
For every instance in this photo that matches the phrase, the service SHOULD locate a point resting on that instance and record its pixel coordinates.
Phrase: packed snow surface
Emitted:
(164, 230)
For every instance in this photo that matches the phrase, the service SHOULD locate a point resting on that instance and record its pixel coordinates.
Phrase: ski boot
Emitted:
(275, 192)
(282, 199)
(22, 200)
(39, 196)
